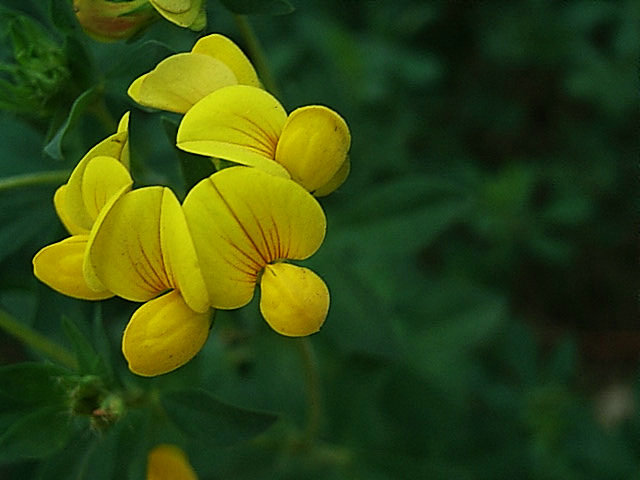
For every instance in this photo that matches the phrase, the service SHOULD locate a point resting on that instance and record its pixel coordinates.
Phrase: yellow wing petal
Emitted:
(125, 251)
(180, 261)
(164, 334)
(313, 145)
(241, 219)
(237, 123)
(181, 80)
(221, 48)
(103, 177)
(60, 266)
(59, 202)
(293, 300)
(168, 462)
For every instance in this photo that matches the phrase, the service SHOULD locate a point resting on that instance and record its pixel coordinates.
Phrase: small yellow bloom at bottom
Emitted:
(168, 462)
(294, 300)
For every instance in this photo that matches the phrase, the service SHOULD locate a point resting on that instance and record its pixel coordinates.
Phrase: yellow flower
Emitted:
(181, 80)
(111, 21)
(168, 462)
(94, 185)
(141, 248)
(247, 125)
(244, 224)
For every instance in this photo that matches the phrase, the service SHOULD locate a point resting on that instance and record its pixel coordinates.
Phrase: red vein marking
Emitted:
(271, 136)
(235, 217)
(142, 274)
(256, 264)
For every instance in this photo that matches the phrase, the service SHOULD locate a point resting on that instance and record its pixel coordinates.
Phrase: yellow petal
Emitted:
(293, 300)
(164, 334)
(238, 123)
(168, 462)
(181, 80)
(241, 219)
(60, 266)
(124, 249)
(103, 177)
(123, 126)
(335, 182)
(75, 211)
(221, 48)
(116, 146)
(180, 261)
(89, 273)
(59, 202)
(313, 145)
(181, 12)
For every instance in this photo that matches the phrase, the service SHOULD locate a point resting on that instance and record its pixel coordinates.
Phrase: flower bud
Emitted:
(109, 21)
(38, 72)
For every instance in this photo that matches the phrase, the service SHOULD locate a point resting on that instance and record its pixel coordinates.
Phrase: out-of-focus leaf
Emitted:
(262, 7)
(465, 319)
(55, 145)
(194, 167)
(89, 362)
(36, 435)
(22, 216)
(201, 415)
(32, 383)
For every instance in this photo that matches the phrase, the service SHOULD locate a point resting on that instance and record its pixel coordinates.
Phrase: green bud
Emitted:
(38, 70)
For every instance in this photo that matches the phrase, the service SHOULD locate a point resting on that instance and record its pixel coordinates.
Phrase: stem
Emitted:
(36, 341)
(99, 109)
(257, 54)
(28, 179)
(314, 399)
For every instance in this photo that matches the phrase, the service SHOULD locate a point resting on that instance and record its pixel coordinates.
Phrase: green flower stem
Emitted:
(36, 341)
(29, 179)
(101, 112)
(257, 54)
(314, 397)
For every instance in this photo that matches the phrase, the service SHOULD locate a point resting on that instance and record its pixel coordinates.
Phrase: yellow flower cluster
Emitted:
(234, 231)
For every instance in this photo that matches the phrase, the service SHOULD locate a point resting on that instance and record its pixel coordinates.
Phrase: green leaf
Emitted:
(261, 7)
(89, 362)
(201, 415)
(22, 216)
(32, 383)
(36, 435)
(54, 147)
(194, 167)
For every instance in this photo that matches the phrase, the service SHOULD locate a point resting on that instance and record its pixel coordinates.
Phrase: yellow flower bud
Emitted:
(111, 21)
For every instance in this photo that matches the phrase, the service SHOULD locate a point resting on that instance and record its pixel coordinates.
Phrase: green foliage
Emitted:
(198, 414)
(481, 259)
(252, 7)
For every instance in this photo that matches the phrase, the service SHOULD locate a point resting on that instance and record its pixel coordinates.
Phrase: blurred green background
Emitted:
(481, 257)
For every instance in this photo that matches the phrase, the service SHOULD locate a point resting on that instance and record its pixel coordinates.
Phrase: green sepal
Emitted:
(202, 416)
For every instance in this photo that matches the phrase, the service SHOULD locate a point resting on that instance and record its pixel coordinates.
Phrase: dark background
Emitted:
(481, 257)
